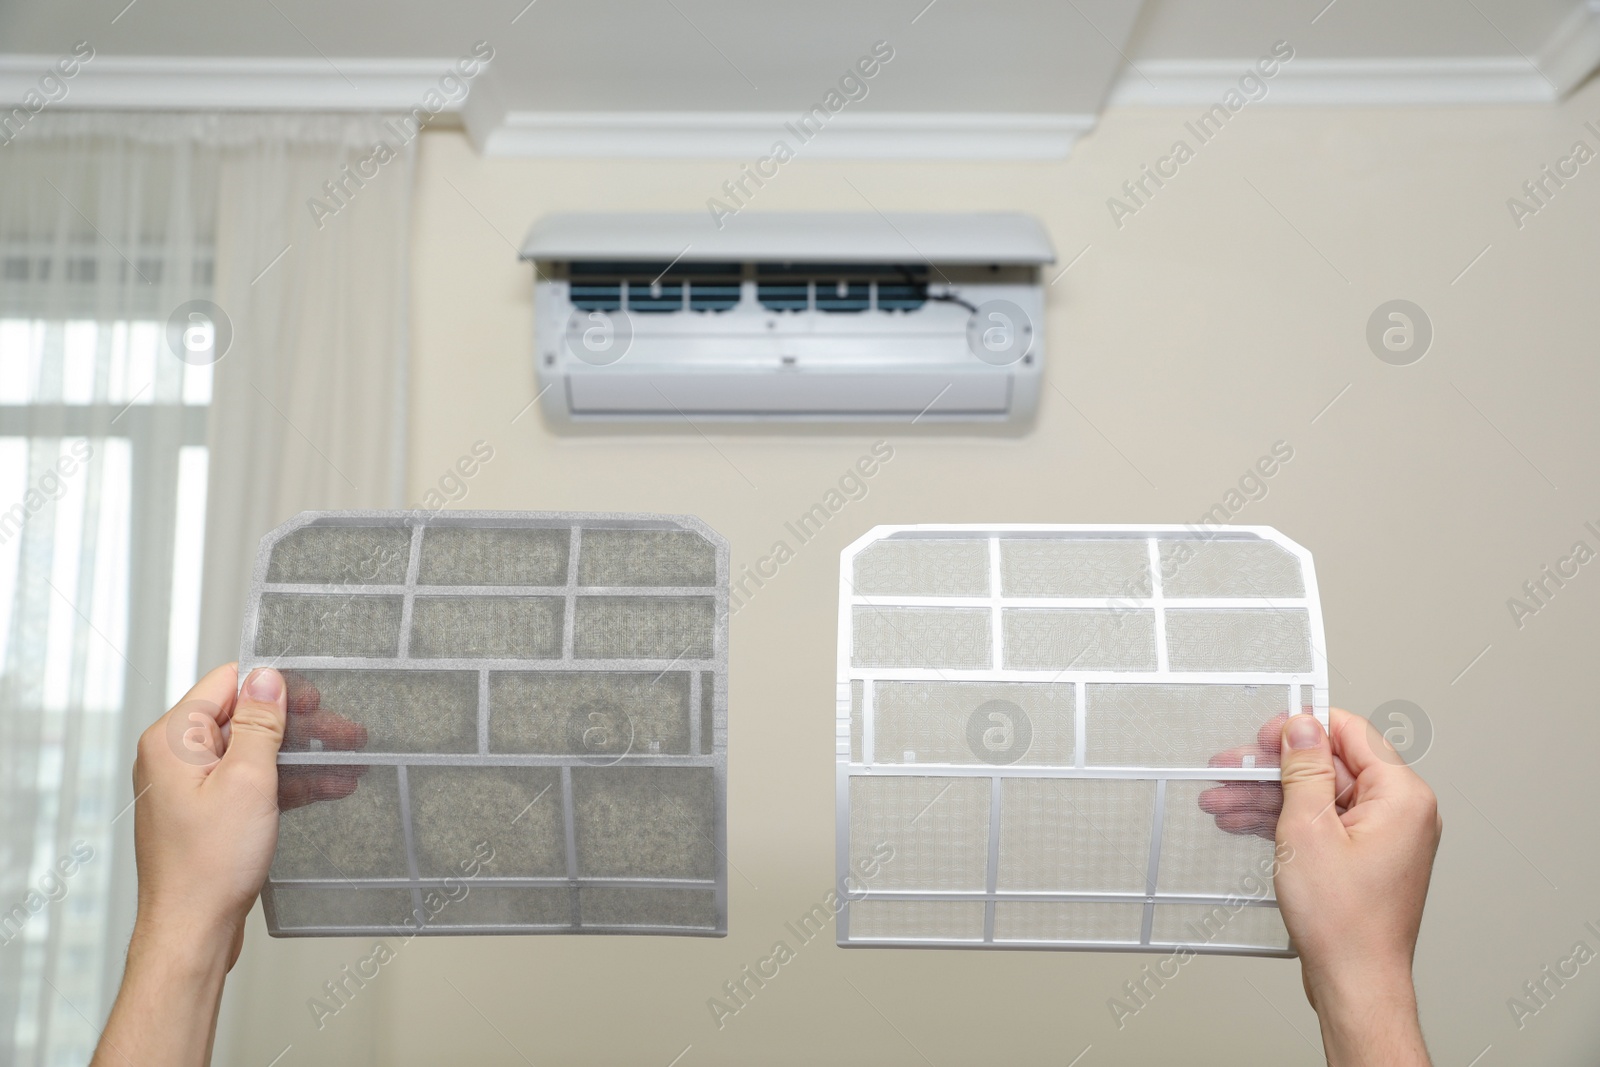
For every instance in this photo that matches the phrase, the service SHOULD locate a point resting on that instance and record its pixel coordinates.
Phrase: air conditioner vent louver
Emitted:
(843, 288)
(784, 296)
(818, 317)
(654, 288)
(659, 298)
(597, 296)
(843, 296)
(714, 295)
(906, 296)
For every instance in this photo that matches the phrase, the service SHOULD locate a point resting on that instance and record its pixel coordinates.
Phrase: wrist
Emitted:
(1368, 1016)
(166, 1009)
(1371, 987)
(182, 948)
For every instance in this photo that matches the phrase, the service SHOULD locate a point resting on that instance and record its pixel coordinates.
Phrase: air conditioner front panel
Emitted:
(816, 318)
(792, 237)
(710, 353)
(753, 394)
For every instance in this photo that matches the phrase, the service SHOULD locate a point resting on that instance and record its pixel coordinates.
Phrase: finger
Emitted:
(294, 787)
(1235, 757)
(198, 734)
(1344, 782)
(309, 785)
(1246, 824)
(1369, 756)
(257, 727)
(1218, 799)
(192, 732)
(1246, 811)
(1309, 779)
(303, 695)
(1270, 737)
(217, 691)
(333, 731)
(1242, 796)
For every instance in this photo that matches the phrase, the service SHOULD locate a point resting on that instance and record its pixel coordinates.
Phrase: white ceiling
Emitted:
(684, 77)
(637, 55)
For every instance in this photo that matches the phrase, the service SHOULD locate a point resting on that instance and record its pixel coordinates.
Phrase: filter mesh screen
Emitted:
(1088, 638)
(492, 906)
(292, 624)
(937, 827)
(918, 920)
(1175, 725)
(1197, 856)
(500, 722)
(971, 722)
(1061, 834)
(355, 555)
(1084, 567)
(589, 712)
(346, 824)
(1248, 926)
(461, 555)
(1230, 568)
(385, 910)
(923, 568)
(1240, 639)
(1054, 734)
(451, 805)
(382, 710)
(921, 637)
(505, 627)
(1019, 920)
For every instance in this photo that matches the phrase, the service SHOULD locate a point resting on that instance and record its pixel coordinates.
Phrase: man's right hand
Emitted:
(1353, 887)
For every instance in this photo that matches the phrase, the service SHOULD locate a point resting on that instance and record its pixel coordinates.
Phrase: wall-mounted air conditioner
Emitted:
(788, 317)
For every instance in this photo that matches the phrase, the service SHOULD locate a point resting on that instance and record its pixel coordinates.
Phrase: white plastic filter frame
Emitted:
(707, 713)
(1307, 692)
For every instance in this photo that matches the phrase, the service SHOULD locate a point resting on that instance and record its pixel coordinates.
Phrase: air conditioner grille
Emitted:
(842, 288)
(657, 298)
(843, 296)
(597, 296)
(654, 288)
(713, 296)
(785, 296)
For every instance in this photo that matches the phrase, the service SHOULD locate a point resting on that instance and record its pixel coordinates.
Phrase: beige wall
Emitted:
(1220, 319)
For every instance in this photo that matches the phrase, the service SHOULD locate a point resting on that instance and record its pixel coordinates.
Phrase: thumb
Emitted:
(1309, 781)
(257, 725)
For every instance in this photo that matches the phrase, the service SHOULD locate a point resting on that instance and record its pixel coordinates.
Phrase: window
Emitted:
(102, 500)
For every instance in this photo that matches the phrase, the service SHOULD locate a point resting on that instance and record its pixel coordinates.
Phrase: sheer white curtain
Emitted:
(127, 457)
(310, 403)
(309, 407)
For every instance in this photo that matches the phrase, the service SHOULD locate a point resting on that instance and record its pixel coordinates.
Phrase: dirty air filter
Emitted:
(1042, 731)
(499, 722)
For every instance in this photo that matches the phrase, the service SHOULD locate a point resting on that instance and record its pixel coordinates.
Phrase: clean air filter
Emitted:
(1043, 729)
(499, 722)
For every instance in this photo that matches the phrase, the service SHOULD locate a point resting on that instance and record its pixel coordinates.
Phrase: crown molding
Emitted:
(156, 83)
(1335, 82)
(754, 134)
(1573, 52)
(165, 83)
(1570, 55)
